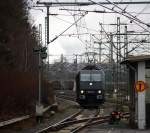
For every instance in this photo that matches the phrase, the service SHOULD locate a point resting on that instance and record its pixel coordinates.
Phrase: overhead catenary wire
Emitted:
(73, 15)
(66, 29)
(78, 25)
(55, 4)
(130, 42)
(142, 10)
(106, 24)
(137, 46)
(119, 2)
(108, 37)
(106, 45)
(100, 11)
(63, 7)
(126, 6)
(121, 13)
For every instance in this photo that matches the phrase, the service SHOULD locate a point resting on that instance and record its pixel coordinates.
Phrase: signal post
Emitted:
(42, 54)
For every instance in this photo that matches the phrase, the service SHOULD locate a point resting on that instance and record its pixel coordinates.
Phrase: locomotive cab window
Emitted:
(85, 77)
(90, 77)
(95, 77)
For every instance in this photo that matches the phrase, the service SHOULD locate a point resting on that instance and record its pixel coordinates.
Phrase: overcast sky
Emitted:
(69, 45)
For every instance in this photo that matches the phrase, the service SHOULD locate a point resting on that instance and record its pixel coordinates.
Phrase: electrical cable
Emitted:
(66, 29)
(101, 11)
(142, 10)
(73, 17)
(121, 13)
(135, 47)
(63, 7)
(107, 46)
(78, 25)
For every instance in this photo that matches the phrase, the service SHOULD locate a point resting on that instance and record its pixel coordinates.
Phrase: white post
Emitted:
(136, 100)
(39, 96)
(39, 106)
(141, 97)
(74, 85)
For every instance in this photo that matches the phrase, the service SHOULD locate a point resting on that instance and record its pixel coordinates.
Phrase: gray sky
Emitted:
(69, 45)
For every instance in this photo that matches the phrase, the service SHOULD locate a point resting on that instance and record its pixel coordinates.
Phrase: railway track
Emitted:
(76, 123)
(68, 95)
(58, 124)
(88, 122)
(14, 120)
(79, 121)
(18, 120)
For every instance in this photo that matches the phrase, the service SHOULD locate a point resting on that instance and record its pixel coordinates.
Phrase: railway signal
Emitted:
(115, 117)
(41, 51)
(42, 54)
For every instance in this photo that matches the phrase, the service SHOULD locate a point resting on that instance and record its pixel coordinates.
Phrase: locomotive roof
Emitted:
(91, 67)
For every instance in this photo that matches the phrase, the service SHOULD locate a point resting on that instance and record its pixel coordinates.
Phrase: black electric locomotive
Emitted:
(90, 83)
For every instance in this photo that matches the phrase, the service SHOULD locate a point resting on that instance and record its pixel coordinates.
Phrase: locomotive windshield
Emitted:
(90, 77)
(85, 77)
(95, 77)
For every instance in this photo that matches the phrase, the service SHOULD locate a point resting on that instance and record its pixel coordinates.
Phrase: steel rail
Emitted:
(75, 130)
(62, 121)
(66, 97)
(91, 121)
(14, 120)
(65, 124)
(89, 124)
(101, 120)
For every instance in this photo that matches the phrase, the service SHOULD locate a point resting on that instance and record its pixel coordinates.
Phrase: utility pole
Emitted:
(40, 63)
(112, 66)
(46, 25)
(62, 58)
(76, 62)
(41, 51)
(126, 43)
(118, 59)
(126, 70)
(100, 44)
(111, 49)
(81, 61)
(47, 7)
(46, 42)
(45, 31)
(100, 52)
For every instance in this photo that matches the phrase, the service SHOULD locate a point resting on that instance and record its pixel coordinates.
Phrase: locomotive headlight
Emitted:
(82, 91)
(90, 84)
(99, 91)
